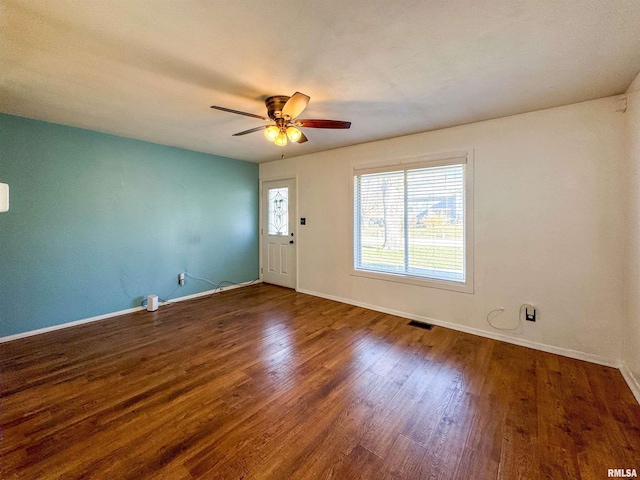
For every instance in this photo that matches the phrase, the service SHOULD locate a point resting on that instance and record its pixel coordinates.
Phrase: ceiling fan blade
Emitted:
(303, 138)
(295, 105)
(257, 129)
(322, 123)
(239, 112)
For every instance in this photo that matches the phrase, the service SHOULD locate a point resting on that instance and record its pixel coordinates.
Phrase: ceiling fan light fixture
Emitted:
(281, 140)
(272, 132)
(283, 112)
(294, 134)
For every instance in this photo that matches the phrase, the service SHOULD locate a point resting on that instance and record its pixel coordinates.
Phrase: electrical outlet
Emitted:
(181, 279)
(530, 313)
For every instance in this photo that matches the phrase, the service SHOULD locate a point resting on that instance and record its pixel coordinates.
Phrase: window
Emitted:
(412, 222)
(278, 211)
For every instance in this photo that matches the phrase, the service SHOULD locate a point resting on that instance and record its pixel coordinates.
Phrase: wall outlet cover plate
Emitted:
(4, 197)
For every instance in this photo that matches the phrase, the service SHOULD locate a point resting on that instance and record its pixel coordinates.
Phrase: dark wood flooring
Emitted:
(262, 382)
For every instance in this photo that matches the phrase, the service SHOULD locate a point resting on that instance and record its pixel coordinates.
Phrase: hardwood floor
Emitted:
(262, 382)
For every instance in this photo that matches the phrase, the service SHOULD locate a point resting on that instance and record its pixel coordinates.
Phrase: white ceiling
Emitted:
(150, 69)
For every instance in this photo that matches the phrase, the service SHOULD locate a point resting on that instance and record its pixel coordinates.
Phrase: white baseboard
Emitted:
(39, 331)
(211, 292)
(632, 381)
(60, 326)
(588, 357)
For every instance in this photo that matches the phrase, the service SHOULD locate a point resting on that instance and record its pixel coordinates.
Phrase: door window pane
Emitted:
(279, 211)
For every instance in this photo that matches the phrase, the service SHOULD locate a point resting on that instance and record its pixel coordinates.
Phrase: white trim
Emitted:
(433, 158)
(60, 326)
(53, 328)
(565, 352)
(211, 292)
(631, 380)
(413, 280)
(400, 166)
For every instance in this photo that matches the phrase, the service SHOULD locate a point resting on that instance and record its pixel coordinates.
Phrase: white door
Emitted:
(278, 232)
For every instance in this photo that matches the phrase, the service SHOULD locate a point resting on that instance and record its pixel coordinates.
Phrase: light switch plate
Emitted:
(4, 197)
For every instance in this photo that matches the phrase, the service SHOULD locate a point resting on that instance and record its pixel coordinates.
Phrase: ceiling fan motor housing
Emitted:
(275, 105)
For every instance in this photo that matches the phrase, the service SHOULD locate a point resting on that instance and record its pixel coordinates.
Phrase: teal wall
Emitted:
(98, 222)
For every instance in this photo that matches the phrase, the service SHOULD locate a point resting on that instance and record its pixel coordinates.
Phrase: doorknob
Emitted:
(291, 242)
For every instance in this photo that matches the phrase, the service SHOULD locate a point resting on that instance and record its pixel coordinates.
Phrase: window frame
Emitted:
(424, 161)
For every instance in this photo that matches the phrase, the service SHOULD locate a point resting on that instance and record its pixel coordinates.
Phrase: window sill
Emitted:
(422, 282)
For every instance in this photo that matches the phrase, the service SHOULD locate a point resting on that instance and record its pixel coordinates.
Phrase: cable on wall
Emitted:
(525, 306)
(217, 287)
(500, 312)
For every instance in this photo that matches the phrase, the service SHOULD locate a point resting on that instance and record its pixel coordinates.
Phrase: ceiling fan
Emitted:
(284, 111)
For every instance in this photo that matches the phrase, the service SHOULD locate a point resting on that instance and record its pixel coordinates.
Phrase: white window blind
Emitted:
(411, 221)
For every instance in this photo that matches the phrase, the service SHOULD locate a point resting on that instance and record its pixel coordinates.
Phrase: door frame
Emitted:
(294, 226)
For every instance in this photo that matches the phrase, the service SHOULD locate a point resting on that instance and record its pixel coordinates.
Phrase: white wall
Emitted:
(549, 203)
(632, 270)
